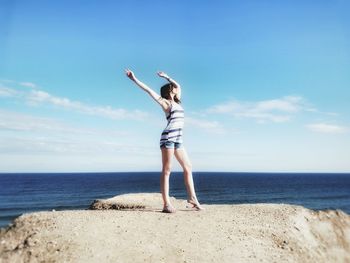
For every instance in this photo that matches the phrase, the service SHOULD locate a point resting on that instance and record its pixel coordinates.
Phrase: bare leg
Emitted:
(167, 155)
(183, 159)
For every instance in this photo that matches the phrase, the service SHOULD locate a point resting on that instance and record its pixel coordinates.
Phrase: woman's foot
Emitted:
(195, 204)
(168, 209)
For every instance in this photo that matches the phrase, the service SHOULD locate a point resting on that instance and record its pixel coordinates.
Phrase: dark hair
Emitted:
(165, 92)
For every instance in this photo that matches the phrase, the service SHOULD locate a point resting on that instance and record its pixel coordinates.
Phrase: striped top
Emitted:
(175, 118)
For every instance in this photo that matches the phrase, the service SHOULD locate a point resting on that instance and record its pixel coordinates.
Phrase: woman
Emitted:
(171, 139)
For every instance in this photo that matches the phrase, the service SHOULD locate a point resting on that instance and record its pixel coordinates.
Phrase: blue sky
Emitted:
(265, 84)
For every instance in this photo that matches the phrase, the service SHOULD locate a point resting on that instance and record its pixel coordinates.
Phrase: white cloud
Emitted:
(332, 113)
(27, 134)
(70, 144)
(23, 83)
(327, 128)
(275, 110)
(36, 97)
(23, 122)
(8, 92)
(14, 121)
(28, 84)
(7, 81)
(286, 104)
(209, 126)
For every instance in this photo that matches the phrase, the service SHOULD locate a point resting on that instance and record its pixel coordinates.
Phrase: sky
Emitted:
(265, 84)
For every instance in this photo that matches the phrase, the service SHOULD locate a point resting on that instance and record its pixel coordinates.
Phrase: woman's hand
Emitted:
(130, 74)
(162, 74)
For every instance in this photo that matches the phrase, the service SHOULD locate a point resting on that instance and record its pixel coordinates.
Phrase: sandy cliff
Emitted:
(139, 232)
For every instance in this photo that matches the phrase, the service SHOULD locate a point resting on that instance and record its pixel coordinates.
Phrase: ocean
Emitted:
(28, 192)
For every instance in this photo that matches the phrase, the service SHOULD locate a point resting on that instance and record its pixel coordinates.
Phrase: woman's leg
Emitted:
(182, 157)
(167, 155)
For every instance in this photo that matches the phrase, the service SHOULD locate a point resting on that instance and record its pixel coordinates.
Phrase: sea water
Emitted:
(28, 192)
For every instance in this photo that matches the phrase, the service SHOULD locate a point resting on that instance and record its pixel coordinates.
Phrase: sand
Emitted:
(131, 228)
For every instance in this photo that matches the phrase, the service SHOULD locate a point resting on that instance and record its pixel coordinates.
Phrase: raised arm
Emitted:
(164, 75)
(162, 102)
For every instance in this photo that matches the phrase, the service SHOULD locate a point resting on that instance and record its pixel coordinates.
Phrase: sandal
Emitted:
(168, 209)
(195, 205)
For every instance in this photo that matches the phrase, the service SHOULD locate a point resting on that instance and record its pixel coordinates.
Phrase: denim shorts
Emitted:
(171, 145)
